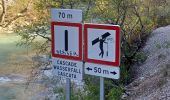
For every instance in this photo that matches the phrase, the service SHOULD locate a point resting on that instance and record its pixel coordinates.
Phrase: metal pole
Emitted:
(101, 88)
(68, 89)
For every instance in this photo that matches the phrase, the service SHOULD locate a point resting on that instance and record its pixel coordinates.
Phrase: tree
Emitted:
(13, 10)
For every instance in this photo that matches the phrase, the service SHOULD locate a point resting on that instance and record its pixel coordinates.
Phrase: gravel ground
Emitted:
(152, 78)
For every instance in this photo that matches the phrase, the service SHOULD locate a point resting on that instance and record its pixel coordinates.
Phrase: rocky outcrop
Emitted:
(152, 78)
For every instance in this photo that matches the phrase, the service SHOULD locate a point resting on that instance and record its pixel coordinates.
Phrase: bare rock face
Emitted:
(152, 78)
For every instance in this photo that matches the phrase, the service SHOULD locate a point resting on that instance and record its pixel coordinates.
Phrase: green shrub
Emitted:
(114, 93)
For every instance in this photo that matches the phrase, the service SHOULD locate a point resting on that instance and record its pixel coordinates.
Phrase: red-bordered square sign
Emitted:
(102, 44)
(66, 40)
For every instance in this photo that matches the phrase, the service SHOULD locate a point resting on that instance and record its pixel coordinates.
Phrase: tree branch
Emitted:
(71, 4)
(49, 39)
(124, 17)
(13, 19)
(19, 15)
(2, 16)
(140, 20)
(88, 8)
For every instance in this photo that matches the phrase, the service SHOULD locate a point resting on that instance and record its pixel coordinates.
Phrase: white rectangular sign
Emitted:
(102, 70)
(67, 68)
(66, 15)
(102, 44)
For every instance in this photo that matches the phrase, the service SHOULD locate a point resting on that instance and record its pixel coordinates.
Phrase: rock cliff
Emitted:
(152, 78)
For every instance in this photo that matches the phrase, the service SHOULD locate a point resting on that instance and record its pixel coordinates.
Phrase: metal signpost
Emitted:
(67, 45)
(102, 88)
(102, 52)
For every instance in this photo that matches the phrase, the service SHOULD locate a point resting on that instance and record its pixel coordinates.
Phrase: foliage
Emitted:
(92, 88)
(140, 57)
(11, 11)
(115, 93)
(37, 35)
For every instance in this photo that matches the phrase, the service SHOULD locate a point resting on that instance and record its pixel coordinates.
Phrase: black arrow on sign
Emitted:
(114, 73)
(88, 68)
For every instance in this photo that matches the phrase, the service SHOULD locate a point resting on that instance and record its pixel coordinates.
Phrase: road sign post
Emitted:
(102, 50)
(68, 89)
(102, 92)
(67, 45)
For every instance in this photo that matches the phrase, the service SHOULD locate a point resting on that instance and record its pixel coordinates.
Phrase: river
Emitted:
(15, 66)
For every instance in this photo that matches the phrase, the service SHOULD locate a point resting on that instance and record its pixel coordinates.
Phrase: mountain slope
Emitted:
(152, 78)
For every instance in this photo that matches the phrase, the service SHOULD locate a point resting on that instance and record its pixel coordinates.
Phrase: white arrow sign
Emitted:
(102, 70)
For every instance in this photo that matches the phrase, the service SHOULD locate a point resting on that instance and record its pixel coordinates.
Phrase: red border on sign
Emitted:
(80, 40)
(115, 63)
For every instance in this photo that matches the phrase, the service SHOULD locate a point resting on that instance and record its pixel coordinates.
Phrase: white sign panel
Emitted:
(66, 15)
(67, 68)
(67, 40)
(72, 39)
(100, 47)
(102, 70)
(102, 44)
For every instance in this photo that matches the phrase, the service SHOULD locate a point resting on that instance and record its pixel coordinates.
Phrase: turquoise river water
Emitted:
(12, 85)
